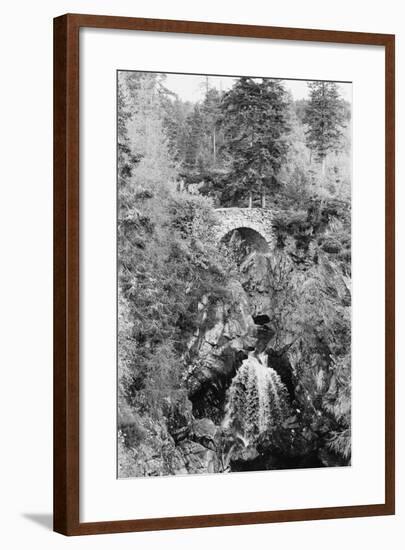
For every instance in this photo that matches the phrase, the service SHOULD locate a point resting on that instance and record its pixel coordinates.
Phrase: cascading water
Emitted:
(257, 400)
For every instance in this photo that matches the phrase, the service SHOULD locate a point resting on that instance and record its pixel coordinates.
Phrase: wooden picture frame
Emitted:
(67, 284)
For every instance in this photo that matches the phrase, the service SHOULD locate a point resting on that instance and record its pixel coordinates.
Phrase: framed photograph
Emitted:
(223, 274)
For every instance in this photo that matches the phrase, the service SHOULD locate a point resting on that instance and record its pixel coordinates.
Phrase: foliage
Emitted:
(255, 124)
(204, 137)
(325, 117)
(311, 298)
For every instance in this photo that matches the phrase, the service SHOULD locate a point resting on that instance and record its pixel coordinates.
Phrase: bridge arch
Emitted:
(250, 237)
(245, 220)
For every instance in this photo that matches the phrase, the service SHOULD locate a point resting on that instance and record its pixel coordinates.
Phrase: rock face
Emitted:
(229, 332)
(204, 431)
(220, 350)
(198, 459)
(185, 446)
(255, 281)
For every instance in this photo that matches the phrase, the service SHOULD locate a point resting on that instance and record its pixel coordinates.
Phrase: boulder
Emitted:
(203, 432)
(198, 459)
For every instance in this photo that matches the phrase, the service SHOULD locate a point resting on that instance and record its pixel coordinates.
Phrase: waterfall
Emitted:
(257, 400)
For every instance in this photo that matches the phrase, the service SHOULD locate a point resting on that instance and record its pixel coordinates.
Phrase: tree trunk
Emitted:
(250, 199)
(323, 171)
(214, 147)
(263, 200)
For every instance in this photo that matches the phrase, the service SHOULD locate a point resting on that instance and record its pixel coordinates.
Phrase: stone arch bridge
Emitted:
(254, 219)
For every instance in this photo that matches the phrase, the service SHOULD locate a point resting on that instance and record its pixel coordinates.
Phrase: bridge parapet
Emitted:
(258, 219)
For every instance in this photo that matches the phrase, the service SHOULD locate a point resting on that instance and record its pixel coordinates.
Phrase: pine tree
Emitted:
(255, 124)
(203, 135)
(194, 137)
(210, 111)
(175, 119)
(325, 118)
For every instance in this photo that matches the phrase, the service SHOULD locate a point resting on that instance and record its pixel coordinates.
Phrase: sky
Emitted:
(192, 87)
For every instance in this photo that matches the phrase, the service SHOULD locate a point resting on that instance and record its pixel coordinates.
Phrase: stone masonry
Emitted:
(258, 219)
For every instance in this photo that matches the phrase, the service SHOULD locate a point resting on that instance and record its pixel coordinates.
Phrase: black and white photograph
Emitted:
(233, 273)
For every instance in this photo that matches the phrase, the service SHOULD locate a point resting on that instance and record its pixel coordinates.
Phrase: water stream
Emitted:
(256, 400)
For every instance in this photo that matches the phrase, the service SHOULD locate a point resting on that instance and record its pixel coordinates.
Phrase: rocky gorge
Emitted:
(241, 404)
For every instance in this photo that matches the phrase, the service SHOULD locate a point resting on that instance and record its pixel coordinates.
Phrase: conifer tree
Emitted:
(324, 116)
(255, 123)
(210, 112)
(194, 137)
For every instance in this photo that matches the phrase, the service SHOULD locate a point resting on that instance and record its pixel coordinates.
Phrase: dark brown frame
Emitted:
(66, 273)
